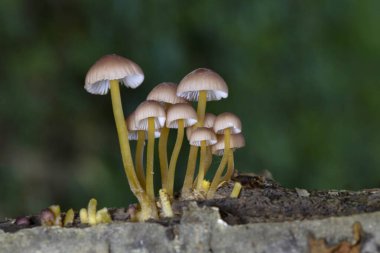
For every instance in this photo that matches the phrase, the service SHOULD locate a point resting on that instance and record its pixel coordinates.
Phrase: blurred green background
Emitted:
(303, 77)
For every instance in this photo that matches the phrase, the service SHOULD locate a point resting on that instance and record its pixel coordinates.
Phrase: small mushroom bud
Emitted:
(47, 217)
(83, 216)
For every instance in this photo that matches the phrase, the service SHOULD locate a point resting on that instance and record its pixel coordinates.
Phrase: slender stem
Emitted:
(150, 159)
(202, 163)
(150, 211)
(190, 171)
(201, 110)
(193, 153)
(218, 175)
(174, 157)
(163, 155)
(208, 162)
(122, 132)
(236, 190)
(230, 167)
(139, 157)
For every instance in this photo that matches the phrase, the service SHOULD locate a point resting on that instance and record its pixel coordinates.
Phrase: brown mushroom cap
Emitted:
(227, 120)
(150, 109)
(202, 134)
(208, 123)
(132, 129)
(165, 92)
(236, 141)
(202, 79)
(181, 111)
(112, 67)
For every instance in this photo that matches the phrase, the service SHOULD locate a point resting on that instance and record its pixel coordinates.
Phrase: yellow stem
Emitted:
(174, 157)
(218, 175)
(201, 110)
(139, 156)
(122, 132)
(208, 162)
(193, 153)
(191, 163)
(150, 159)
(201, 172)
(236, 190)
(163, 155)
(230, 168)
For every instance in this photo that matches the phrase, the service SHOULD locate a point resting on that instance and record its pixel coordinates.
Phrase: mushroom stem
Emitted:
(163, 156)
(139, 156)
(91, 210)
(202, 163)
(201, 110)
(208, 162)
(218, 175)
(230, 167)
(174, 157)
(190, 170)
(129, 169)
(150, 159)
(193, 153)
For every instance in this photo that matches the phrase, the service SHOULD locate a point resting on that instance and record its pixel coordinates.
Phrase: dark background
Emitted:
(303, 77)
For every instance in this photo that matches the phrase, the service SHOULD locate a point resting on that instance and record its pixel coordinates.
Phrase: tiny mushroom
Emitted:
(140, 136)
(226, 123)
(165, 93)
(188, 182)
(202, 137)
(150, 115)
(178, 116)
(237, 141)
(104, 75)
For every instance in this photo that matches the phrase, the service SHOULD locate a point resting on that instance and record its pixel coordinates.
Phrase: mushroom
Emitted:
(140, 136)
(200, 85)
(236, 141)
(150, 115)
(226, 123)
(202, 137)
(105, 75)
(165, 93)
(208, 123)
(178, 116)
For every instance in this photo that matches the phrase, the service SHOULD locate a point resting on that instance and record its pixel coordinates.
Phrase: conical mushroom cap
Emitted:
(133, 130)
(181, 111)
(202, 79)
(150, 109)
(236, 141)
(227, 120)
(112, 67)
(165, 93)
(208, 123)
(202, 134)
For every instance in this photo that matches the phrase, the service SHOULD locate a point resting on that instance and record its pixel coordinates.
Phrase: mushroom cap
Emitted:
(227, 120)
(150, 109)
(165, 92)
(208, 123)
(203, 134)
(181, 111)
(236, 141)
(202, 79)
(112, 67)
(132, 129)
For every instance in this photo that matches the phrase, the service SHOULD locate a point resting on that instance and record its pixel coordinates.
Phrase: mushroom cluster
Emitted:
(169, 107)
